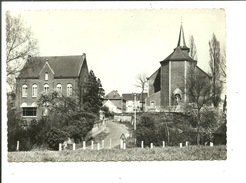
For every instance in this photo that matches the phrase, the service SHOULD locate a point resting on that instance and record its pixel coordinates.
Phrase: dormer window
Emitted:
(46, 76)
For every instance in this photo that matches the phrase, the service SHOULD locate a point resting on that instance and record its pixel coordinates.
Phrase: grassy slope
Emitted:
(133, 154)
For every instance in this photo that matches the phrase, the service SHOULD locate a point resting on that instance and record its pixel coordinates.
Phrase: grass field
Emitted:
(131, 154)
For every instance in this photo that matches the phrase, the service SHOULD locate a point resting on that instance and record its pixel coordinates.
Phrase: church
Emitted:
(168, 84)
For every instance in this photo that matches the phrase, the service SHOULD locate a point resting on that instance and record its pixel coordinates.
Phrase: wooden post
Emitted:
(110, 143)
(163, 144)
(84, 146)
(102, 144)
(211, 144)
(124, 145)
(17, 146)
(60, 146)
(92, 145)
(186, 143)
(151, 145)
(73, 146)
(142, 144)
(180, 144)
(98, 146)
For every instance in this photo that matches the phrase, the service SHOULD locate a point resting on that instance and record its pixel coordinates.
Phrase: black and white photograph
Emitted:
(110, 85)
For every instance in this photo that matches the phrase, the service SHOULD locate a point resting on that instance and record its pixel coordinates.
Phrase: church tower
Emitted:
(174, 70)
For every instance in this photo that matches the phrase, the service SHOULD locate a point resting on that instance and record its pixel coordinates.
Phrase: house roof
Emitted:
(113, 95)
(62, 66)
(222, 129)
(130, 96)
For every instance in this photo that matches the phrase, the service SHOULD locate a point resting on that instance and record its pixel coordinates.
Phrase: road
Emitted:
(115, 130)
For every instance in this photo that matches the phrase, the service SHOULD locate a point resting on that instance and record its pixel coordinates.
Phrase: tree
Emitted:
(215, 64)
(141, 82)
(93, 94)
(65, 114)
(199, 92)
(20, 43)
(192, 45)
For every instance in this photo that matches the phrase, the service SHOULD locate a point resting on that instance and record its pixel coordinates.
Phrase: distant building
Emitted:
(114, 102)
(130, 101)
(42, 75)
(167, 85)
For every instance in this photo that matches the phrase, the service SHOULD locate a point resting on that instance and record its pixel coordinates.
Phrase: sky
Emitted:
(120, 44)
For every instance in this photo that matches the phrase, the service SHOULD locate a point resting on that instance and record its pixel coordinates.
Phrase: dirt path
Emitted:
(115, 131)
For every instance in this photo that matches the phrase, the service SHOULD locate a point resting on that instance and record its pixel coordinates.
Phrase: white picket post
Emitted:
(102, 144)
(186, 143)
(73, 146)
(211, 144)
(60, 146)
(121, 143)
(151, 145)
(110, 143)
(98, 146)
(92, 145)
(180, 144)
(142, 144)
(18, 145)
(124, 145)
(163, 143)
(84, 146)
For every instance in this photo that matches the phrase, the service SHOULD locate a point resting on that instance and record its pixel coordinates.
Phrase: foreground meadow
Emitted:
(132, 154)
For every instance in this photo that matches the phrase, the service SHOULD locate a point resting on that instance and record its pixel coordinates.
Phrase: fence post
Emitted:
(151, 145)
(180, 144)
(121, 143)
(17, 146)
(110, 143)
(142, 144)
(84, 146)
(163, 144)
(73, 146)
(124, 145)
(92, 145)
(186, 143)
(60, 146)
(211, 144)
(102, 144)
(98, 146)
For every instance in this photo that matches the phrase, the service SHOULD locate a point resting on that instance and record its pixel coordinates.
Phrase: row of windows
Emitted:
(46, 89)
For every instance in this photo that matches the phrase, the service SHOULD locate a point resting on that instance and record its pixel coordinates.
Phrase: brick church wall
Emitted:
(165, 84)
(177, 78)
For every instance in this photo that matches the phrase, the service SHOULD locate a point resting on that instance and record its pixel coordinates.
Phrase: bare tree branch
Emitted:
(19, 44)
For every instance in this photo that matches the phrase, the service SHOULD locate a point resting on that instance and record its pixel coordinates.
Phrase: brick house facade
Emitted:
(41, 75)
(167, 85)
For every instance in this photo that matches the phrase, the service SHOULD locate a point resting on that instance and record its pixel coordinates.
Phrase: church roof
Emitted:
(180, 53)
(62, 66)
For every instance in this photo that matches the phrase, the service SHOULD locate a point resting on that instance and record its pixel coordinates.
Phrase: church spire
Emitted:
(181, 41)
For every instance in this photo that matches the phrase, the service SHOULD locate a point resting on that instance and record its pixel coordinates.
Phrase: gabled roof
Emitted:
(130, 96)
(113, 95)
(178, 55)
(62, 66)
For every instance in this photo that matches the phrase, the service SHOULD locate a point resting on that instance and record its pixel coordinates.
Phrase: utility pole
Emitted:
(135, 112)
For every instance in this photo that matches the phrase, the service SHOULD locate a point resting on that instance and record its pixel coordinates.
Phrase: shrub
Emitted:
(56, 136)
